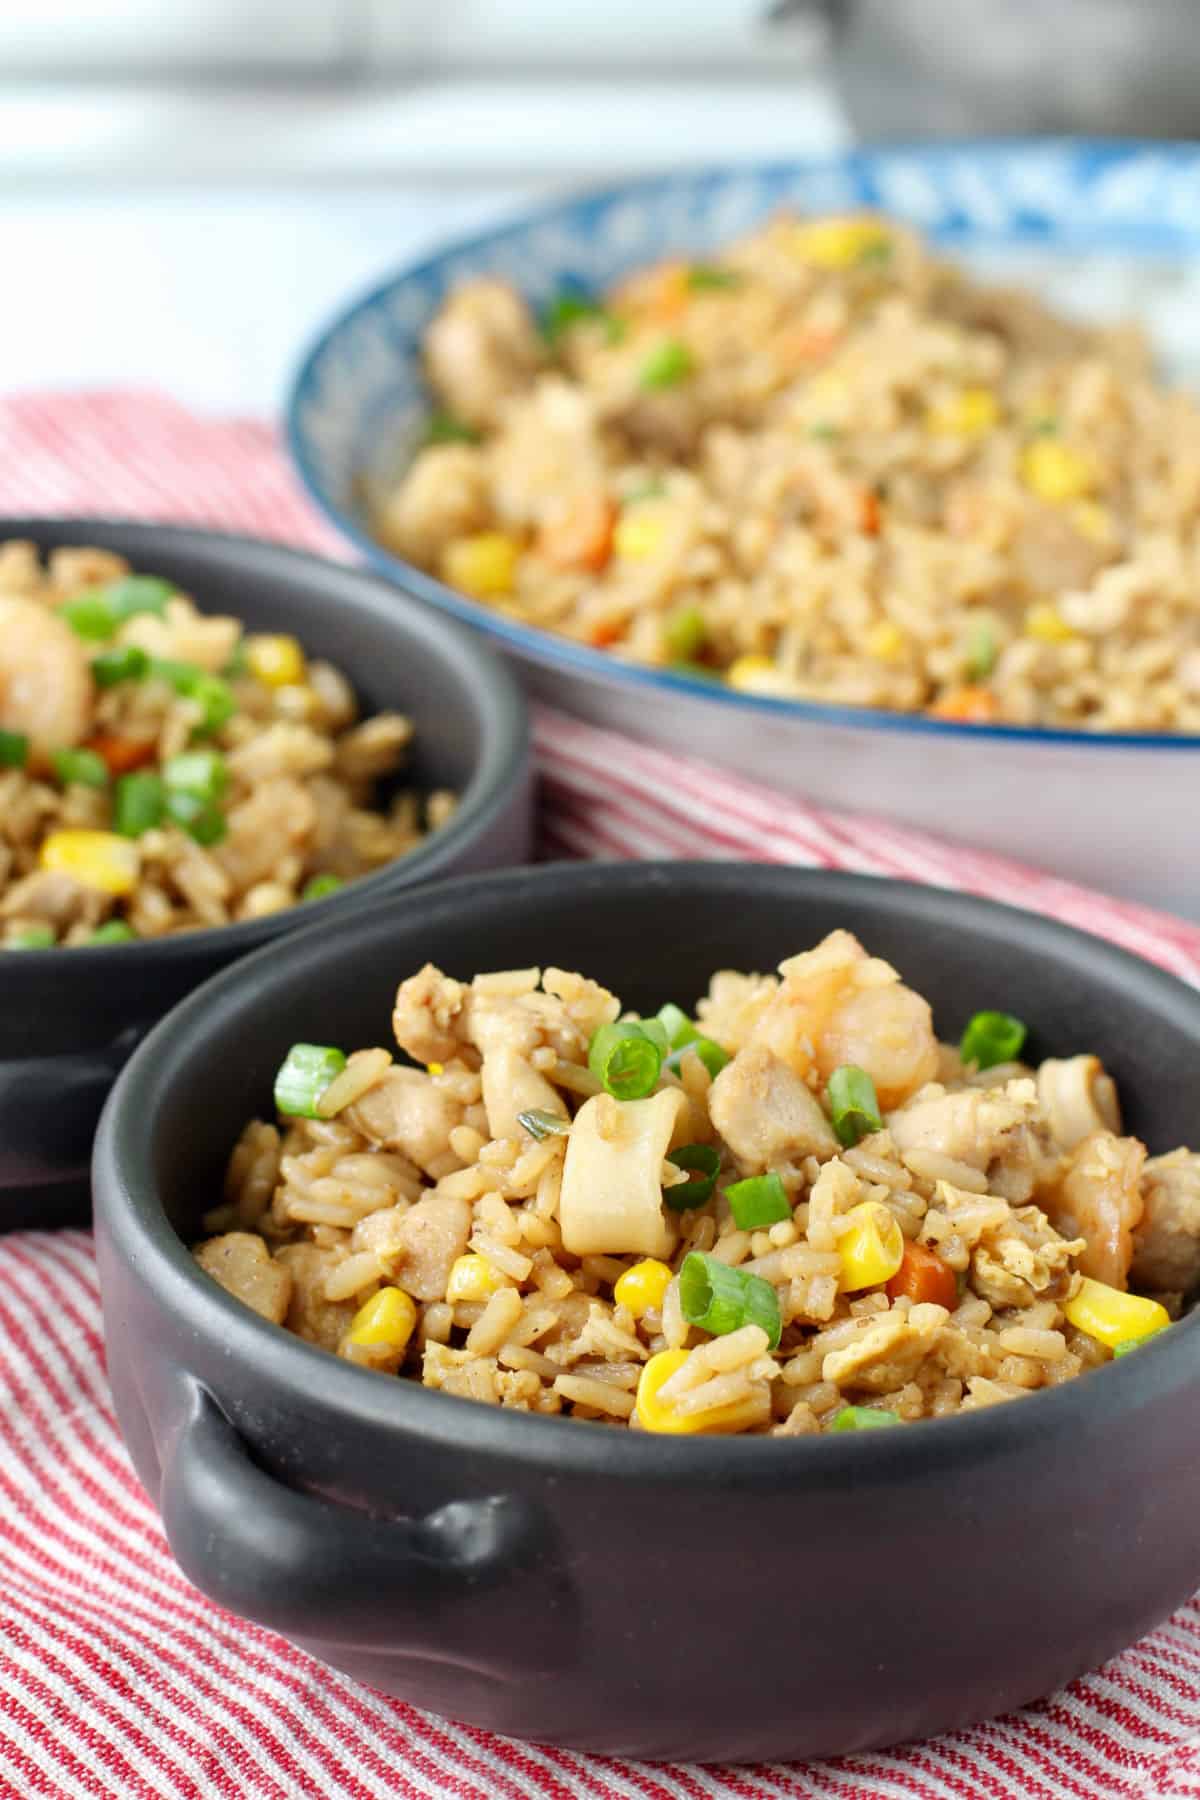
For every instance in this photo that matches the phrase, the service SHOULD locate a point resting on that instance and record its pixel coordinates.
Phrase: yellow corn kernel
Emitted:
(96, 859)
(642, 1287)
(840, 243)
(654, 1416)
(1045, 623)
(435, 1068)
(1054, 471)
(971, 413)
(276, 660)
(638, 534)
(388, 1319)
(872, 1249)
(1092, 521)
(472, 1277)
(756, 675)
(830, 390)
(483, 566)
(1115, 1318)
(885, 641)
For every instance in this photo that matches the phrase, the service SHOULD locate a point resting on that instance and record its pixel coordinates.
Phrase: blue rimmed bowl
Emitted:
(1105, 230)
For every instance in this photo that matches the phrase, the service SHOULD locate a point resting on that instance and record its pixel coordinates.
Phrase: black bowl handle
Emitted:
(443, 1586)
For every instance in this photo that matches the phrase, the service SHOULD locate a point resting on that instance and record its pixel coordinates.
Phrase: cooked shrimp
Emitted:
(46, 690)
(1077, 1098)
(1099, 1199)
(838, 1005)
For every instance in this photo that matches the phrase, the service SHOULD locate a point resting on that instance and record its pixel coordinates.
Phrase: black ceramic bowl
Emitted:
(68, 1018)
(614, 1591)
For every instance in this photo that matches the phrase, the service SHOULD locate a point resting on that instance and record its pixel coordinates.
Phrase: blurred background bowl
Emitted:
(70, 1017)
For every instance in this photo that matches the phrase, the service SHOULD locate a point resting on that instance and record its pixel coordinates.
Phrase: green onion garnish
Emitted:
(863, 1418)
(541, 1125)
(199, 772)
(982, 650)
(853, 1104)
(879, 253)
(626, 1059)
(720, 1299)
(711, 275)
(138, 802)
(304, 1075)
(213, 694)
(992, 1038)
(678, 1027)
(201, 819)
(574, 307)
(237, 665)
(320, 887)
(442, 427)
(1128, 1344)
(126, 663)
(684, 633)
(706, 1161)
(137, 594)
(824, 432)
(14, 749)
(115, 931)
(667, 365)
(32, 937)
(1046, 425)
(710, 1054)
(758, 1202)
(82, 767)
(653, 489)
(90, 616)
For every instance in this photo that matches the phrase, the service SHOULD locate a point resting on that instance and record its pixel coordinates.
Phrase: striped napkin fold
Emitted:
(118, 1679)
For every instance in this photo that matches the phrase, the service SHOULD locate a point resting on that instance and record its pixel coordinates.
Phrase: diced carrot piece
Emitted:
(121, 753)
(967, 705)
(924, 1276)
(870, 516)
(580, 536)
(669, 292)
(601, 636)
(800, 346)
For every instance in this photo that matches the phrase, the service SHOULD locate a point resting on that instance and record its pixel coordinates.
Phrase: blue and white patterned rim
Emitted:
(360, 386)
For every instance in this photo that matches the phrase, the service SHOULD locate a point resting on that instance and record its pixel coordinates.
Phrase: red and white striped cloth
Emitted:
(117, 1679)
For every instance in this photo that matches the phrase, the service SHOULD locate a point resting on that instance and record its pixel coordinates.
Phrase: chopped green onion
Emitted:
(201, 819)
(138, 802)
(1046, 425)
(212, 694)
(711, 275)
(82, 767)
(684, 633)
(304, 1075)
(678, 1027)
(14, 749)
(199, 772)
(720, 1299)
(654, 489)
(992, 1038)
(1128, 1344)
(442, 427)
(320, 887)
(853, 1104)
(541, 1125)
(863, 1418)
(706, 1162)
(879, 253)
(824, 432)
(237, 666)
(667, 365)
(574, 307)
(626, 1059)
(115, 931)
(710, 1054)
(982, 651)
(127, 663)
(90, 616)
(32, 937)
(758, 1202)
(137, 594)
(656, 1031)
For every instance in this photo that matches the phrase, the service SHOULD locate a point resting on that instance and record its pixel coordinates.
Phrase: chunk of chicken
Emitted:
(984, 1128)
(611, 1201)
(309, 1314)
(443, 496)
(407, 1111)
(429, 1239)
(482, 347)
(838, 1005)
(549, 438)
(46, 689)
(430, 1015)
(242, 1264)
(1076, 1099)
(55, 897)
(766, 1113)
(511, 1086)
(1166, 1243)
(1099, 1199)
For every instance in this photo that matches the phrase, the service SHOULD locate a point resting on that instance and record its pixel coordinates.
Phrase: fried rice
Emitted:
(797, 1213)
(162, 770)
(829, 466)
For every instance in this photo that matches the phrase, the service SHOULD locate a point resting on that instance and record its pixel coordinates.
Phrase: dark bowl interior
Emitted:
(899, 1573)
(70, 1017)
